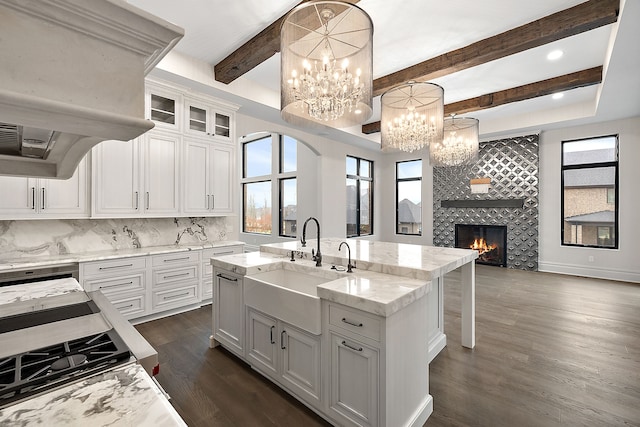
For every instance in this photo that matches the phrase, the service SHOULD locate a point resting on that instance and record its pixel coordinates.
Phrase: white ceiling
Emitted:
(410, 31)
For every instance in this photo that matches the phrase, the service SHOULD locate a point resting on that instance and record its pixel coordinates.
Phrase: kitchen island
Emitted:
(354, 347)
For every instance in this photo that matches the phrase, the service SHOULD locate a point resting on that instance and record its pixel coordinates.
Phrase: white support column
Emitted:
(468, 291)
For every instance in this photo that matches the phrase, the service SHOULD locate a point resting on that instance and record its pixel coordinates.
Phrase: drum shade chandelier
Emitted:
(460, 144)
(326, 65)
(412, 116)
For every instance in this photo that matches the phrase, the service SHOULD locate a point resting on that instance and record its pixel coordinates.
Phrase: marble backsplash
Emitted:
(21, 239)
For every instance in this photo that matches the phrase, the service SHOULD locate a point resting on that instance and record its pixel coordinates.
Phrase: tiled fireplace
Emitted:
(489, 240)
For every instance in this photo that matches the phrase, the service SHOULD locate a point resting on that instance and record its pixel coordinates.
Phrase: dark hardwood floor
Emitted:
(551, 350)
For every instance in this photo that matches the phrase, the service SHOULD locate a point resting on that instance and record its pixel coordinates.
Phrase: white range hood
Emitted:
(72, 76)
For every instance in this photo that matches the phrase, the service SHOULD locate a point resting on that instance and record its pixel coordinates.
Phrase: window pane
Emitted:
(352, 166)
(411, 169)
(365, 211)
(257, 157)
(352, 207)
(409, 205)
(288, 154)
(365, 168)
(288, 207)
(587, 208)
(588, 151)
(257, 207)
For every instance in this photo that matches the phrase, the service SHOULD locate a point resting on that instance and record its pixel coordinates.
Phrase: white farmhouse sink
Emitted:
(288, 295)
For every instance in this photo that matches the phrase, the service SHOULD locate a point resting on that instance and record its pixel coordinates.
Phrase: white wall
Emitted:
(618, 264)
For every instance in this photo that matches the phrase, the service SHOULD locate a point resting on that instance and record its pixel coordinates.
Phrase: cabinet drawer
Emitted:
(134, 282)
(355, 321)
(114, 266)
(207, 254)
(171, 298)
(131, 306)
(175, 275)
(175, 258)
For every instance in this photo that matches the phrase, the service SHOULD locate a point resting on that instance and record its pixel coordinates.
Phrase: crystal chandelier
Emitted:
(460, 143)
(326, 66)
(412, 116)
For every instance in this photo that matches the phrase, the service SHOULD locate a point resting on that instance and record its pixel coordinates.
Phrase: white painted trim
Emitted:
(587, 271)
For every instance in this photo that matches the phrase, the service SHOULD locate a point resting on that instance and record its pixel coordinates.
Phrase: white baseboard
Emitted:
(589, 271)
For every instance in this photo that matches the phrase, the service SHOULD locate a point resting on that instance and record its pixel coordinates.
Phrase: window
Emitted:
(359, 197)
(590, 192)
(259, 193)
(409, 197)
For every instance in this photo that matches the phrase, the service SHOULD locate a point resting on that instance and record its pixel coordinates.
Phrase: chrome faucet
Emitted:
(349, 266)
(317, 257)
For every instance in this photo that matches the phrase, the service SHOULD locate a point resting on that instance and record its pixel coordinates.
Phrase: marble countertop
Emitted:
(370, 291)
(125, 395)
(9, 264)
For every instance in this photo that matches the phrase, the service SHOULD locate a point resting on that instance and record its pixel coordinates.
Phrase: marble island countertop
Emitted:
(23, 263)
(371, 291)
(125, 395)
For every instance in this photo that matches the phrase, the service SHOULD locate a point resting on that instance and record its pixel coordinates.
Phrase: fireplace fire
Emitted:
(489, 240)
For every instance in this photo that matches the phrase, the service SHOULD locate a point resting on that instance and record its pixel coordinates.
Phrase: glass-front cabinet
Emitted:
(163, 106)
(207, 120)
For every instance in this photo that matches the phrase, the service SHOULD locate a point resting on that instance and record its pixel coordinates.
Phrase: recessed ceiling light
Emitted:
(555, 54)
(557, 95)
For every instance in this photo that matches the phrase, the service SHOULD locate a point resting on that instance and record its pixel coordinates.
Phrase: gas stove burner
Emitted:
(34, 371)
(68, 362)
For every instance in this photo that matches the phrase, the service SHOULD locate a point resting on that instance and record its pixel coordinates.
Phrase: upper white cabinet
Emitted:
(139, 177)
(22, 198)
(208, 119)
(163, 106)
(208, 177)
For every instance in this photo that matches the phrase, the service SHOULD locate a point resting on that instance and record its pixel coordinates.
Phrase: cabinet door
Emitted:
(354, 380)
(65, 198)
(162, 173)
(301, 362)
(228, 324)
(197, 118)
(163, 106)
(196, 189)
(116, 184)
(18, 197)
(262, 348)
(223, 158)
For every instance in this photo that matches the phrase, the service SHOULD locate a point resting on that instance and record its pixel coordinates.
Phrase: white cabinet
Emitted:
(45, 198)
(208, 119)
(228, 310)
(123, 281)
(206, 290)
(137, 178)
(287, 354)
(163, 106)
(208, 177)
(175, 280)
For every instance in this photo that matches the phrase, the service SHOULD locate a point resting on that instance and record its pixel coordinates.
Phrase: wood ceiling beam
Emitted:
(254, 52)
(566, 23)
(570, 81)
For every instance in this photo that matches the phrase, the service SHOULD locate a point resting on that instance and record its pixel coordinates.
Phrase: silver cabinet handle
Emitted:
(123, 307)
(173, 276)
(344, 343)
(271, 335)
(147, 200)
(33, 197)
(186, 258)
(207, 202)
(117, 284)
(232, 279)
(213, 201)
(348, 322)
(175, 296)
(43, 204)
(137, 200)
(282, 335)
(115, 266)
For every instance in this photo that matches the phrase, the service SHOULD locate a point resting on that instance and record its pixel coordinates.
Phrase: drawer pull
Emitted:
(116, 285)
(176, 296)
(173, 276)
(124, 307)
(348, 322)
(177, 259)
(271, 335)
(115, 266)
(282, 335)
(230, 279)
(344, 343)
